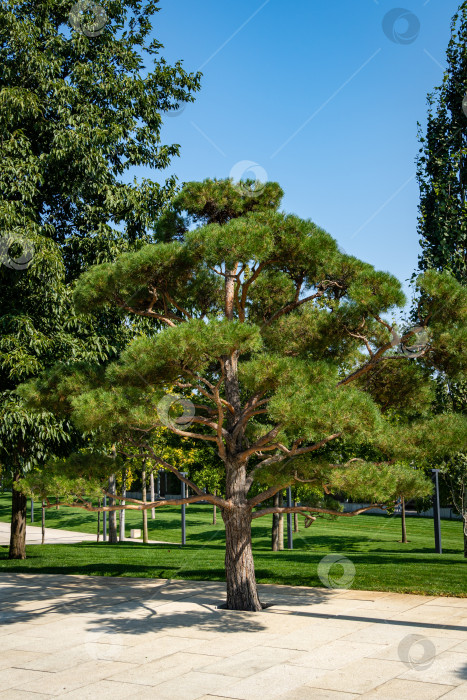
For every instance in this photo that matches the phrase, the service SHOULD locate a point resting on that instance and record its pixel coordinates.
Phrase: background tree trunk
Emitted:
(281, 521)
(145, 512)
(214, 511)
(152, 494)
(404, 526)
(121, 535)
(112, 513)
(18, 523)
(278, 524)
(99, 522)
(43, 523)
(465, 535)
(295, 519)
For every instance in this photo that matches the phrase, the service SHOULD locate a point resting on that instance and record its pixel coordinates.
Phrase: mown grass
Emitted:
(370, 542)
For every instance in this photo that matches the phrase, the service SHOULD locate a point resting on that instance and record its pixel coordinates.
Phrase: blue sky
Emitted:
(318, 96)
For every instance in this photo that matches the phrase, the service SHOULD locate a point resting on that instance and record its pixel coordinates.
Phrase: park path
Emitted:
(79, 637)
(56, 536)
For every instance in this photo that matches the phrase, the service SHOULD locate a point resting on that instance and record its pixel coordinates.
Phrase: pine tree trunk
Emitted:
(145, 512)
(242, 593)
(121, 535)
(43, 523)
(153, 496)
(113, 539)
(18, 523)
(404, 527)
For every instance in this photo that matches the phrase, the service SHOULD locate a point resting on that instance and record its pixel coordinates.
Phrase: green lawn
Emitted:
(370, 542)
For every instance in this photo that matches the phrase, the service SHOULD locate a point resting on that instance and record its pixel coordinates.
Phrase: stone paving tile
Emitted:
(459, 693)
(359, 677)
(307, 693)
(187, 687)
(102, 690)
(65, 681)
(273, 682)
(427, 647)
(231, 644)
(334, 655)
(12, 677)
(406, 690)
(13, 694)
(246, 664)
(164, 669)
(18, 658)
(448, 667)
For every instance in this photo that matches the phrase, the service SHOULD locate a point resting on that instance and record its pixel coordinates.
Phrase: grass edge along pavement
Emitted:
(369, 542)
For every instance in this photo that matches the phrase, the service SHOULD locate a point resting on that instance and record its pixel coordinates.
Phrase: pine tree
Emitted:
(274, 335)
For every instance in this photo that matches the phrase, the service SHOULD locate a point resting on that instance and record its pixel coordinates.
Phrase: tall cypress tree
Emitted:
(79, 108)
(442, 163)
(442, 177)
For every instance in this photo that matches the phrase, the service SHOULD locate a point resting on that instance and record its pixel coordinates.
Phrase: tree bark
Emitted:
(152, 494)
(145, 512)
(214, 511)
(404, 527)
(295, 519)
(18, 523)
(242, 593)
(113, 539)
(121, 534)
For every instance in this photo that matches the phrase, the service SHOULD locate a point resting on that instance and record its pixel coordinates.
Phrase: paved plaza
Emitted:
(100, 637)
(55, 536)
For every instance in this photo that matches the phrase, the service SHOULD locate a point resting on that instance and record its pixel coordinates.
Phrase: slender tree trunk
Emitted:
(278, 524)
(465, 535)
(404, 527)
(275, 525)
(281, 522)
(18, 523)
(112, 513)
(99, 522)
(295, 519)
(214, 511)
(152, 494)
(43, 523)
(122, 512)
(145, 512)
